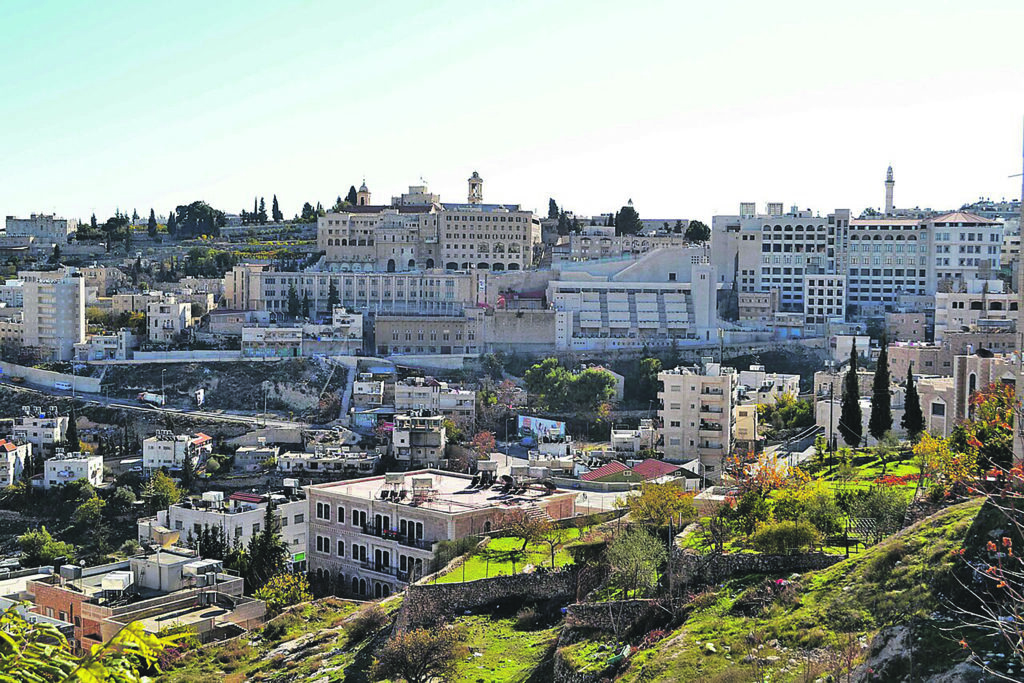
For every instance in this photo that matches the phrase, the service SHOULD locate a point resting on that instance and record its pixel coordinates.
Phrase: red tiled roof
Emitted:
(7, 445)
(652, 469)
(201, 439)
(246, 497)
(614, 467)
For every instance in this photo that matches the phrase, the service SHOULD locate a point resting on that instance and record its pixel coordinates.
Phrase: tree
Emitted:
(38, 548)
(552, 209)
(880, 420)
(913, 418)
(420, 655)
(92, 224)
(635, 557)
(589, 389)
(352, 198)
(988, 431)
(161, 492)
(71, 439)
(305, 304)
(172, 224)
(697, 231)
(627, 221)
(55, 255)
(953, 469)
(275, 211)
(122, 502)
(262, 213)
(151, 225)
(850, 426)
(661, 504)
(678, 227)
(784, 537)
(483, 445)
(284, 590)
(333, 297)
(38, 651)
(519, 523)
(267, 552)
(294, 306)
(548, 382)
(308, 212)
(647, 383)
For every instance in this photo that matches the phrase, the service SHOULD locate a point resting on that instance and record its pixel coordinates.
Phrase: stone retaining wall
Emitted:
(616, 616)
(426, 604)
(691, 568)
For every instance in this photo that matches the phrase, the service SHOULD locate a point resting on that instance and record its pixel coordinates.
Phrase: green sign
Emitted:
(299, 557)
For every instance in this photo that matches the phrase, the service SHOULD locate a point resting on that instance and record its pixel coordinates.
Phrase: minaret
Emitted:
(476, 189)
(889, 184)
(363, 195)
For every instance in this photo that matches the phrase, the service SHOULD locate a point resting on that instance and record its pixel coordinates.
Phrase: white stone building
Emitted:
(68, 467)
(696, 414)
(44, 431)
(166, 449)
(45, 228)
(167, 319)
(53, 313)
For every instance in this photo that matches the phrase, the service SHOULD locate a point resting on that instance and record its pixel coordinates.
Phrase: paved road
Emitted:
(128, 404)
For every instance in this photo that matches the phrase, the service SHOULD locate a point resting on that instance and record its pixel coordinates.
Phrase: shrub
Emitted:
(783, 537)
(365, 622)
(527, 618)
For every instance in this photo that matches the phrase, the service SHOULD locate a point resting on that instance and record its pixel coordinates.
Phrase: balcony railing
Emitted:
(397, 536)
(710, 409)
(382, 568)
(711, 391)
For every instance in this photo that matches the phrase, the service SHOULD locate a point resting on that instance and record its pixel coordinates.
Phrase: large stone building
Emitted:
(417, 232)
(54, 312)
(370, 537)
(45, 228)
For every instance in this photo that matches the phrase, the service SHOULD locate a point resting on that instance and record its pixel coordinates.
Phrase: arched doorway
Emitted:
(430, 263)
(391, 265)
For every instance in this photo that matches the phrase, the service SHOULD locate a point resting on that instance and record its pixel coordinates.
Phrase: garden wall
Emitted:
(425, 605)
(690, 567)
(616, 616)
(46, 378)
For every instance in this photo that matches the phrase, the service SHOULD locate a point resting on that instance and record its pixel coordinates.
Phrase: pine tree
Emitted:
(552, 209)
(305, 304)
(275, 211)
(351, 197)
(880, 421)
(71, 434)
(850, 427)
(263, 212)
(913, 418)
(255, 209)
(293, 302)
(267, 552)
(172, 223)
(333, 298)
(151, 226)
(92, 223)
(135, 217)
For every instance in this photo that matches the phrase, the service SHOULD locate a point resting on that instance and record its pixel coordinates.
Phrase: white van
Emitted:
(63, 386)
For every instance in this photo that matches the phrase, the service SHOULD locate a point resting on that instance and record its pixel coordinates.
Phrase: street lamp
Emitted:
(508, 441)
(163, 388)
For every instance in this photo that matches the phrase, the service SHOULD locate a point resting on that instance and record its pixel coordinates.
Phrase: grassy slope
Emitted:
(495, 558)
(884, 585)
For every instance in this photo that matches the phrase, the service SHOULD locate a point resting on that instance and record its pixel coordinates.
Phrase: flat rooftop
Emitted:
(450, 492)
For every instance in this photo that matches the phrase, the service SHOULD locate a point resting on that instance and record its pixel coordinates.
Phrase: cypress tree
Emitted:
(151, 226)
(71, 435)
(305, 304)
(263, 212)
(275, 211)
(333, 298)
(913, 418)
(172, 223)
(293, 302)
(849, 415)
(881, 402)
(351, 197)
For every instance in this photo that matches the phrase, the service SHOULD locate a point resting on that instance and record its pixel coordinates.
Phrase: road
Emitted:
(128, 404)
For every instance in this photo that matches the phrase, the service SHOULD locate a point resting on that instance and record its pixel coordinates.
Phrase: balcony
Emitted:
(393, 535)
(711, 391)
(714, 410)
(387, 569)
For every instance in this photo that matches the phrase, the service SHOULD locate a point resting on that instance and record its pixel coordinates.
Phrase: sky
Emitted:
(686, 108)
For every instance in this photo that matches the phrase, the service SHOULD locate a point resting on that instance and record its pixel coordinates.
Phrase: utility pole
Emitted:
(831, 424)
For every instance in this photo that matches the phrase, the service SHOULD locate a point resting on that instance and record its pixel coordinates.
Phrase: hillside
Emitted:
(883, 605)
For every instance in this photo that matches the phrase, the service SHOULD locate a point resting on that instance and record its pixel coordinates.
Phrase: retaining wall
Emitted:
(426, 604)
(46, 378)
(690, 567)
(617, 616)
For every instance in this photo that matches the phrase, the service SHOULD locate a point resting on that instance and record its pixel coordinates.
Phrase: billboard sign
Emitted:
(540, 428)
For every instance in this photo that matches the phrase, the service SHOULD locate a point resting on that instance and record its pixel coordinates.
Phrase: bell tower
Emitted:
(476, 189)
(889, 184)
(363, 195)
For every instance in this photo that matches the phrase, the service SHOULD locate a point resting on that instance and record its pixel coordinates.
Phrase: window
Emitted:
(341, 548)
(341, 514)
(323, 511)
(938, 409)
(255, 528)
(323, 544)
(300, 518)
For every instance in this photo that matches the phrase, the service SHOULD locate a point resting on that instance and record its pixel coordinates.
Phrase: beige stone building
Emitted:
(428, 393)
(419, 439)
(167, 318)
(906, 327)
(409, 334)
(696, 414)
(370, 537)
(45, 228)
(54, 312)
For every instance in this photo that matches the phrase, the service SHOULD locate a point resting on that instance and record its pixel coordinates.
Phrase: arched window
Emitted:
(430, 263)
(391, 265)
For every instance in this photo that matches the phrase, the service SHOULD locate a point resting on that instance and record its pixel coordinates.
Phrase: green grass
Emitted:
(503, 557)
(884, 585)
(505, 654)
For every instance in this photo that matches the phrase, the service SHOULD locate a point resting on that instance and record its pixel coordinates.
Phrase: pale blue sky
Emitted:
(688, 108)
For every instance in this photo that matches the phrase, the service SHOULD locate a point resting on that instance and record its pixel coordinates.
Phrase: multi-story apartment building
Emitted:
(767, 387)
(419, 439)
(167, 318)
(54, 312)
(428, 393)
(44, 431)
(240, 517)
(166, 449)
(824, 300)
(12, 293)
(65, 468)
(369, 537)
(412, 334)
(13, 456)
(601, 242)
(44, 228)
(962, 247)
(696, 414)
(116, 346)
(329, 461)
(264, 341)
(984, 310)
(888, 257)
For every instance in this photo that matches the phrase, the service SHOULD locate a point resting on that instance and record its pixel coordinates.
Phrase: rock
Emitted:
(710, 648)
(773, 643)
